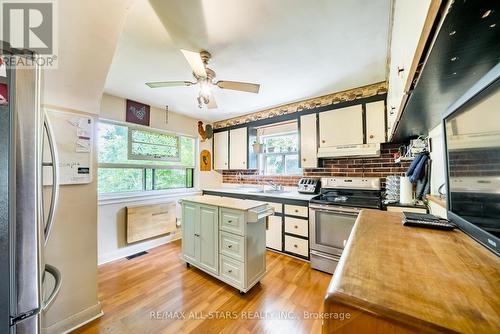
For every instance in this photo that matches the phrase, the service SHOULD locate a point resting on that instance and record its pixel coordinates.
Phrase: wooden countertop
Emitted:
(437, 281)
(225, 202)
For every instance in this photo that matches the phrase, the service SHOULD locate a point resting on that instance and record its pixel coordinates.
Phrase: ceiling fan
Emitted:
(205, 76)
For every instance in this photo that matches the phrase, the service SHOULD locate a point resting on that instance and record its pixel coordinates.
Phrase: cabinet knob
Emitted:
(371, 136)
(400, 69)
(323, 141)
(295, 246)
(244, 162)
(229, 271)
(196, 235)
(229, 246)
(296, 226)
(296, 211)
(304, 159)
(229, 221)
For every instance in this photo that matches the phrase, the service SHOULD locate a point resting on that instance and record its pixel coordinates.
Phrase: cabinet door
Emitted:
(375, 122)
(411, 22)
(274, 232)
(209, 238)
(342, 126)
(238, 148)
(411, 28)
(221, 150)
(190, 220)
(308, 141)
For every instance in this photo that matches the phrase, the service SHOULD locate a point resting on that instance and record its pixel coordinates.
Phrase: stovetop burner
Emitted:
(360, 195)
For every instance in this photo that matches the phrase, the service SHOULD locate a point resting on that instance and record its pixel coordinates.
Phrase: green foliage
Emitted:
(113, 149)
(282, 143)
(119, 179)
(281, 156)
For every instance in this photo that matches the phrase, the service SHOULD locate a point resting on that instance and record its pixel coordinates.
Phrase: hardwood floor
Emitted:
(156, 293)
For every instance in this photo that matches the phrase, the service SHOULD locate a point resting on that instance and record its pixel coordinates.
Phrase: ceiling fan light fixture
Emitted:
(205, 77)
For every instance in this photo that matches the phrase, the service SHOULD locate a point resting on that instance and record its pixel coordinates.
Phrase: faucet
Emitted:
(276, 187)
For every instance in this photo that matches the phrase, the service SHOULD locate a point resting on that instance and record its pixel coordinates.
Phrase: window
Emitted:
(281, 154)
(136, 159)
(147, 145)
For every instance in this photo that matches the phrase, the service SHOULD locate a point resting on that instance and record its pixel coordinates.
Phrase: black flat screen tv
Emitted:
(471, 129)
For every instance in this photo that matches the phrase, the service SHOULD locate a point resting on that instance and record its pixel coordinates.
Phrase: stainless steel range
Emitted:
(332, 215)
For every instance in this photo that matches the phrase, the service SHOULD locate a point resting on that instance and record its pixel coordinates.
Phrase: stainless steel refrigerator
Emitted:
(24, 224)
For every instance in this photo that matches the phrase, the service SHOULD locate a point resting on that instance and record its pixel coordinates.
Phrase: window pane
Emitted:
(149, 179)
(153, 145)
(112, 143)
(187, 151)
(113, 147)
(154, 138)
(149, 151)
(274, 165)
(292, 164)
(282, 143)
(170, 178)
(189, 182)
(119, 179)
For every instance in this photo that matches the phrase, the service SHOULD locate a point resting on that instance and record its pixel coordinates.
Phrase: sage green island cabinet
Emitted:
(226, 238)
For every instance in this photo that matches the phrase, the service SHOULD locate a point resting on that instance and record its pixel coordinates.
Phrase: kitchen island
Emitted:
(397, 279)
(226, 238)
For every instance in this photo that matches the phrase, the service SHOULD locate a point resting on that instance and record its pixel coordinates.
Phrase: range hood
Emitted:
(360, 150)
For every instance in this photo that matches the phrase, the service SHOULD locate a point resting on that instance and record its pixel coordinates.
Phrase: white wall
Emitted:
(437, 158)
(87, 33)
(112, 243)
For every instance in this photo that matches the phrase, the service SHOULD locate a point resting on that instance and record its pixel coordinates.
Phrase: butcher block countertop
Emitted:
(225, 202)
(397, 279)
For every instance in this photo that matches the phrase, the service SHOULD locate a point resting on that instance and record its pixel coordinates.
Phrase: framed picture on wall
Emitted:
(137, 113)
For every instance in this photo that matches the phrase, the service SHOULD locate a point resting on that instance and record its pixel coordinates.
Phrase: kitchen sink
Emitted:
(268, 191)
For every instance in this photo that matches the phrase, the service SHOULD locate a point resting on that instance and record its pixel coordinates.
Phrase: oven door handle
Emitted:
(347, 213)
(325, 256)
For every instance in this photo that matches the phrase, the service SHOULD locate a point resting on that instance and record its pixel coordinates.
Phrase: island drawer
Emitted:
(232, 221)
(297, 246)
(231, 270)
(297, 226)
(232, 245)
(296, 210)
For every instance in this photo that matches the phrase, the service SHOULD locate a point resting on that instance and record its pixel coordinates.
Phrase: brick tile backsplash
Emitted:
(381, 166)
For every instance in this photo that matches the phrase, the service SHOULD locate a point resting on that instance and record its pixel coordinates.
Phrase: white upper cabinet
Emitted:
(308, 141)
(341, 126)
(412, 23)
(375, 122)
(238, 148)
(221, 150)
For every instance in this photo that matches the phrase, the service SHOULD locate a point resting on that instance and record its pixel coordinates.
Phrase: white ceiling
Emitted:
(295, 49)
(84, 52)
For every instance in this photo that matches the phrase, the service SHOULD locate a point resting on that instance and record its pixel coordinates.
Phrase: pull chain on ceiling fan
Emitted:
(205, 76)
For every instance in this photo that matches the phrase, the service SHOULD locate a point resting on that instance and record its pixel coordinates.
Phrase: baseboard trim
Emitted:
(75, 321)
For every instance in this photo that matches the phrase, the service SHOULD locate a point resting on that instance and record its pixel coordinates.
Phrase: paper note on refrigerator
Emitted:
(82, 145)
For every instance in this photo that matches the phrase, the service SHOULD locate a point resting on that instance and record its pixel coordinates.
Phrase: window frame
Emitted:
(282, 154)
(190, 169)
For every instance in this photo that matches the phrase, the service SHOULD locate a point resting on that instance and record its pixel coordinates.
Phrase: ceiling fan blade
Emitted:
(194, 60)
(241, 86)
(160, 84)
(211, 102)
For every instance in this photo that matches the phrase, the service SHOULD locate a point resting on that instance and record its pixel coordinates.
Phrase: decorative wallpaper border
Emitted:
(330, 99)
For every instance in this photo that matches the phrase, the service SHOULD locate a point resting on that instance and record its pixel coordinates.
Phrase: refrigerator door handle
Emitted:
(55, 178)
(57, 285)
